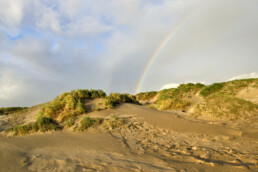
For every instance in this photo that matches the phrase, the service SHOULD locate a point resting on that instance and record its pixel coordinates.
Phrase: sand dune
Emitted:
(150, 140)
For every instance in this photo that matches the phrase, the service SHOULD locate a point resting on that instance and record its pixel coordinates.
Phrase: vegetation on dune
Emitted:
(146, 95)
(177, 98)
(69, 122)
(217, 100)
(116, 98)
(220, 101)
(229, 88)
(69, 105)
(110, 123)
(9, 110)
(232, 87)
(115, 122)
(212, 89)
(42, 124)
(87, 122)
(227, 107)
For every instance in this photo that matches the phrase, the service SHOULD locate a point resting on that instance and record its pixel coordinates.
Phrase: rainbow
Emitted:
(161, 46)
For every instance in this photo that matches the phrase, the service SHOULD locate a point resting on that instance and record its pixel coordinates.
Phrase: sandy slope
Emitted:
(150, 140)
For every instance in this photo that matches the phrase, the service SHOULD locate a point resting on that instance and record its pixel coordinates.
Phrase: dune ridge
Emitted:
(122, 132)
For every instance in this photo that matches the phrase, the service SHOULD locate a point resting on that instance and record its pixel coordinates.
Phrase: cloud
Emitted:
(244, 76)
(52, 46)
(10, 86)
(11, 16)
(170, 85)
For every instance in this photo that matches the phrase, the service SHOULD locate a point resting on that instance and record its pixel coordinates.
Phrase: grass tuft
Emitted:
(42, 124)
(115, 122)
(9, 110)
(116, 98)
(70, 104)
(212, 89)
(87, 122)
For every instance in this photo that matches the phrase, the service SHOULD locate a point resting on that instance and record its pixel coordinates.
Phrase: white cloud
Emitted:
(245, 76)
(11, 16)
(170, 85)
(10, 86)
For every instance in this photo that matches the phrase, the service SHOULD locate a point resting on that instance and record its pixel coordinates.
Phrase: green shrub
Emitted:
(87, 122)
(212, 89)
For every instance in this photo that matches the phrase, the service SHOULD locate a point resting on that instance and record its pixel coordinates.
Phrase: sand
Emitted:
(151, 140)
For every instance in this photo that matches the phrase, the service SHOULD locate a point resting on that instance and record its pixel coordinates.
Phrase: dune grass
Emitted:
(115, 122)
(220, 101)
(226, 107)
(177, 98)
(212, 89)
(69, 105)
(116, 98)
(146, 95)
(42, 124)
(229, 88)
(87, 122)
(10, 110)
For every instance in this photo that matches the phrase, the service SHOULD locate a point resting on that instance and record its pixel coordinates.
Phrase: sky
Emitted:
(51, 46)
